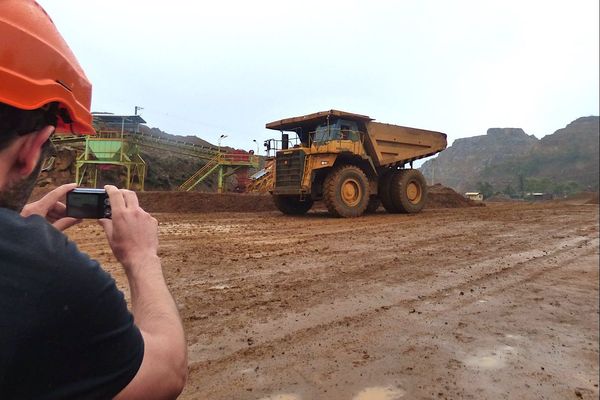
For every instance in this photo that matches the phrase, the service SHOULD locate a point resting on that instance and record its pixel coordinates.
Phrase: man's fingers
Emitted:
(117, 202)
(55, 195)
(58, 210)
(131, 199)
(65, 223)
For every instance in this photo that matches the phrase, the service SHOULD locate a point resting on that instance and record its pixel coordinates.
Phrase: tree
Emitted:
(521, 185)
(509, 191)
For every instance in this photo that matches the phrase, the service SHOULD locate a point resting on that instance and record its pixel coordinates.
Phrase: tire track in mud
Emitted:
(283, 279)
(364, 310)
(387, 252)
(360, 307)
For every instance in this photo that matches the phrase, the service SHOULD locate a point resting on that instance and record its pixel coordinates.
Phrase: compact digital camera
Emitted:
(88, 203)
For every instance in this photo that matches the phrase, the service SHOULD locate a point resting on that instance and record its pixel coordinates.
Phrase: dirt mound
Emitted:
(443, 197)
(204, 202)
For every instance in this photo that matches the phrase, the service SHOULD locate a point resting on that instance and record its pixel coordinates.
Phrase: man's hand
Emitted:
(52, 209)
(132, 233)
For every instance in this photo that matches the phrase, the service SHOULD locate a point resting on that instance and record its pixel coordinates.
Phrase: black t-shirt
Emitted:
(65, 331)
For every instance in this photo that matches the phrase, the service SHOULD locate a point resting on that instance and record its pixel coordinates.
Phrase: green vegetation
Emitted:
(531, 185)
(545, 185)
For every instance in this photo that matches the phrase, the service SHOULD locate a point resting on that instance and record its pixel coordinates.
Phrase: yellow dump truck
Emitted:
(351, 162)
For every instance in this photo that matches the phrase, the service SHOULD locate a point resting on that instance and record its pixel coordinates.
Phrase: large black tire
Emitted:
(384, 191)
(346, 191)
(374, 203)
(408, 190)
(292, 205)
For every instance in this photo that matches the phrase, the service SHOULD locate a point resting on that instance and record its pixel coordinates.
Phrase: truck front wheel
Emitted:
(292, 205)
(408, 190)
(346, 191)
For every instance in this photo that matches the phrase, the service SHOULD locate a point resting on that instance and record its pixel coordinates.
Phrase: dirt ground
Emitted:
(495, 302)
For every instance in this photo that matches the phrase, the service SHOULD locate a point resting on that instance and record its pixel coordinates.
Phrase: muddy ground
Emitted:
(496, 302)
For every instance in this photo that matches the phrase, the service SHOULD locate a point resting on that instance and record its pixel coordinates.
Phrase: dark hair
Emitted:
(16, 122)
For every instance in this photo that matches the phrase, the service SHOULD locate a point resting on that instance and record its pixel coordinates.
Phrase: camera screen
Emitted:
(85, 205)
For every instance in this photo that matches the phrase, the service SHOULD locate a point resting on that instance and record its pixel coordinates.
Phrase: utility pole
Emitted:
(223, 136)
(257, 149)
(138, 108)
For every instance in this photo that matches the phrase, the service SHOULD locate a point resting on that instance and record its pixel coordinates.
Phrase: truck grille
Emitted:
(289, 169)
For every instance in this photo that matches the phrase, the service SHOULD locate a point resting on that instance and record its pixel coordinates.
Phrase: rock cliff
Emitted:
(509, 160)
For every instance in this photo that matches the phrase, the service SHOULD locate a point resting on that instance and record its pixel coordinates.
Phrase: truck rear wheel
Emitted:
(292, 205)
(384, 191)
(408, 190)
(346, 191)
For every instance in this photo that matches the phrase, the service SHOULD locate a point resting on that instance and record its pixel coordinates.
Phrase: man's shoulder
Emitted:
(33, 248)
(32, 232)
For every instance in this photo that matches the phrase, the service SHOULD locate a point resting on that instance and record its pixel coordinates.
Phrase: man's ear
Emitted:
(31, 148)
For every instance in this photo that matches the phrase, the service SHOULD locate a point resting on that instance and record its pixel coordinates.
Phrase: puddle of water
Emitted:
(380, 393)
(282, 396)
(219, 287)
(492, 359)
(487, 362)
(517, 337)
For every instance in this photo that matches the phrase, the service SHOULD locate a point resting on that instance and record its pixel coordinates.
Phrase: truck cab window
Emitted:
(345, 132)
(325, 133)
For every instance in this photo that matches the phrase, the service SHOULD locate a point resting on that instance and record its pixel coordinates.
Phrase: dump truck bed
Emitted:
(390, 144)
(385, 143)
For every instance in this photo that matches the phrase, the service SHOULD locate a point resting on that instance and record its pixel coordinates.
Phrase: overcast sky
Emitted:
(208, 68)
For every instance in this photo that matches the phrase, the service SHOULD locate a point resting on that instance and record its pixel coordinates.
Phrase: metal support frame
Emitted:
(110, 151)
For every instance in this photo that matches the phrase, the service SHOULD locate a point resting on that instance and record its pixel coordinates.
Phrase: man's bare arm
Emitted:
(133, 236)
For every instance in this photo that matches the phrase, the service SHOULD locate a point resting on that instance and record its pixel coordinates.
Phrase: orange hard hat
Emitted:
(37, 67)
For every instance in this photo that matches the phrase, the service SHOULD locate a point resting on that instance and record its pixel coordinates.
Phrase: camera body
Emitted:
(88, 203)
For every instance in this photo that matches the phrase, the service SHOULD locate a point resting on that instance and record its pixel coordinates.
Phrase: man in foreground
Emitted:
(65, 330)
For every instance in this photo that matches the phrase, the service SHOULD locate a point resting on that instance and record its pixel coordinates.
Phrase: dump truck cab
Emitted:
(339, 157)
(323, 139)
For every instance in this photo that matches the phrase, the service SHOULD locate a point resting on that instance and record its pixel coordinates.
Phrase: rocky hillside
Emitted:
(509, 161)
(188, 139)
